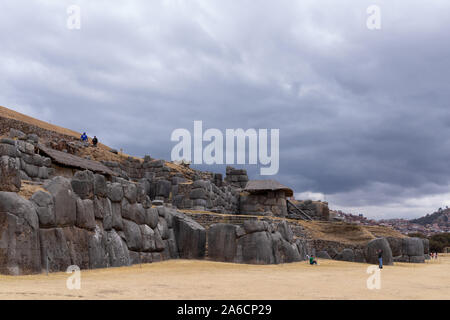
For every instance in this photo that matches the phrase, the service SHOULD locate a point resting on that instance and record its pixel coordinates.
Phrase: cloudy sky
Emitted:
(364, 115)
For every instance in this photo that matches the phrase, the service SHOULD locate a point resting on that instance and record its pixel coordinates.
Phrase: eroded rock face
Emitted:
(19, 236)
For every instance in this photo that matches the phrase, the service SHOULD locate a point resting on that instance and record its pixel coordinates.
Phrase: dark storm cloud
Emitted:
(363, 115)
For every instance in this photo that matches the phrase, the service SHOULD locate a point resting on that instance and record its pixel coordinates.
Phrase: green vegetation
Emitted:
(439, 241)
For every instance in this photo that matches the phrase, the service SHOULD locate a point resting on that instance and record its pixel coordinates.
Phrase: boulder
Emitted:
(64, 201)
(85, 214)
(163, 188)
(83, 184)
(256, 248)
(78, 243)
(45, 208)
(133, 235)
(190, 237)
(222, 244)
(117, 250)
(8, 150)
(323, 255)
(359, 256)
(396, 245)
(10, 179)
(130, 192)
(98, 255)
(102, 207)
(116, 218)
(148, 238)
(54, 250)
(346, 255)
(198, 194)
(152, 217)
(285, 231)
(163, 229)
(19, 236)
(251, 226)
(100, 185)
(115, 192)
(371, 251)
(14, 133)
(284, 251)
(413, 247)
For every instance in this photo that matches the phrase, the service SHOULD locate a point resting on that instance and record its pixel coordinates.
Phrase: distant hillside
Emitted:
(440, 217)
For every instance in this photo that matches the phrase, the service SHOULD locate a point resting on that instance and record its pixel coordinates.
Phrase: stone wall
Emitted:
(256, 242)
(236, 177)
(92, 223)
(267, 203)
(31, 166)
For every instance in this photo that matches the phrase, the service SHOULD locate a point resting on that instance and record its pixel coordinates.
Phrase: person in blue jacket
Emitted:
(84, 137)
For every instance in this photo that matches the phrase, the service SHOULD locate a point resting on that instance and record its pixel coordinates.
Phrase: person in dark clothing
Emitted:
(95, 141)
(380, 258)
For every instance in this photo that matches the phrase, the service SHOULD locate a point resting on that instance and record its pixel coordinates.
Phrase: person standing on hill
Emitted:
(84, 137)
(95, 141)
(380, 258)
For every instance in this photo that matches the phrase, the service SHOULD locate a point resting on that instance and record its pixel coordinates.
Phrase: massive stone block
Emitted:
(115, 192)
(152, 217)
(78, 244)
(54, 250)
(133, 235)
(19, 236)
(130, 192)
(371, 251)
(190, 237)
(116, 218)
(83, 184)
(117, 250)
(98, 255)
(346, 255)
(9, 175)
(85, 214)
(396, 245)
(256, 248)
(100, 186)
(102, 207)
(413, 247)
(163, 188)
(251, 226)
(222, 245)
(45, 209)
(64, 201)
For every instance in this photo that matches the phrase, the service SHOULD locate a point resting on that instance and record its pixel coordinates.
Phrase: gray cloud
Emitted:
(363, 115)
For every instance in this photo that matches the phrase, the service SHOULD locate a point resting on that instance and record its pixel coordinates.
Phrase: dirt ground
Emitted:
(187, 279)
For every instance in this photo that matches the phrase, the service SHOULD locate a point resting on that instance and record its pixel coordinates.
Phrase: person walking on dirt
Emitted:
(380, 258)
(95, 141)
